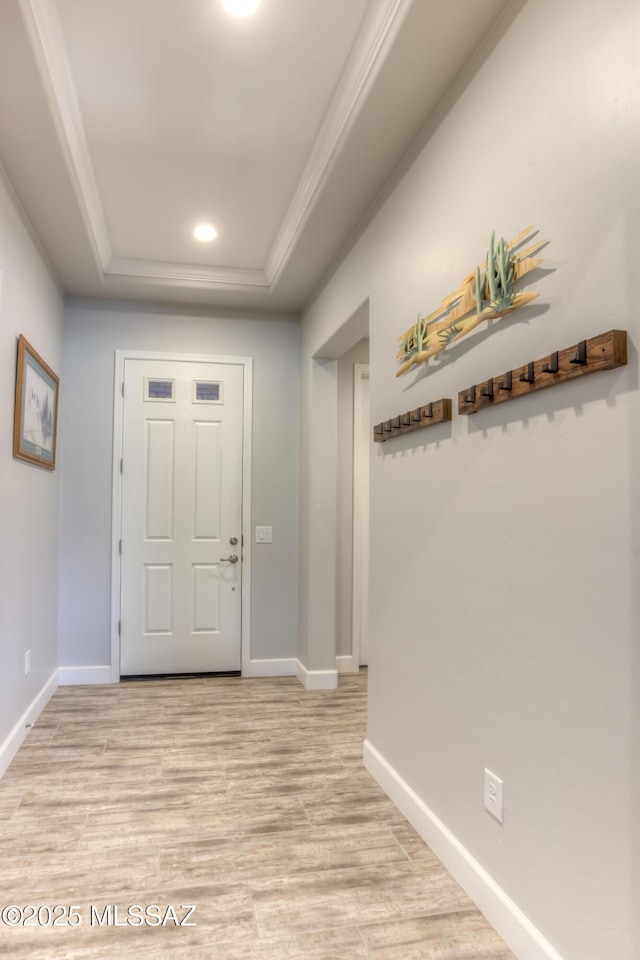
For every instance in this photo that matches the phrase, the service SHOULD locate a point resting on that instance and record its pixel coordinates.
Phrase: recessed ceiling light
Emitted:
(205, 232)
(241, 8)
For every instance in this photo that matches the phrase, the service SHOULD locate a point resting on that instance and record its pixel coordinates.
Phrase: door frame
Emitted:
(360, 517)
(116, 492)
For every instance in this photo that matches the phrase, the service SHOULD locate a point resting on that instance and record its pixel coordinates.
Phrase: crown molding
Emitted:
(372, 45)
(43, 25)
(370, 50)
(182, 273)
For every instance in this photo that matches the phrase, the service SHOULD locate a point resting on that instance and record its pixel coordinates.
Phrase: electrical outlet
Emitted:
(27, 663)
(493, 795)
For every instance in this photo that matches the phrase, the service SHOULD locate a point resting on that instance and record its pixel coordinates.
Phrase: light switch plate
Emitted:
(264, 534)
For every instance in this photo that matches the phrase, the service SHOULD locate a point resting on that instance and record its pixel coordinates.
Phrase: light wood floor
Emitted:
(246, 798)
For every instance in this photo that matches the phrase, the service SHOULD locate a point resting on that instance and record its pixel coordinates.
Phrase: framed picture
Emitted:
(36, 413)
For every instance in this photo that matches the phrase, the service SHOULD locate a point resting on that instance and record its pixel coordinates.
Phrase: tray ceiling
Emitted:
(125, 123)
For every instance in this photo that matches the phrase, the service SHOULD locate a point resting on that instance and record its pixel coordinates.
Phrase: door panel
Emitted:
(158, 597)
(206, 597)
(181, 507)
(160, 469)
(207, 479)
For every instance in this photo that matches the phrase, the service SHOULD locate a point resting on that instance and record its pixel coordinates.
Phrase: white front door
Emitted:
(181, 564)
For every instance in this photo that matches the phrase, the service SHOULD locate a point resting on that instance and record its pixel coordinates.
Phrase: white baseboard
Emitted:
(18, 735)
(273, 668)
(524, 939)
(73, 676)
(316, 679)
(347, 664)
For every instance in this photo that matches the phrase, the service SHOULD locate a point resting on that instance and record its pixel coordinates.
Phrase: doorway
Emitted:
(360, 566)
(181, 499)
(352, 509)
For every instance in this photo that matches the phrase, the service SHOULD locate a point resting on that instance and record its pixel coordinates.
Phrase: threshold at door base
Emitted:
(179, 676)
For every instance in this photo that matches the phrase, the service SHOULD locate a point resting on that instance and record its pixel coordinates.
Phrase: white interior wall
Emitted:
(344, 508)
(29, 304)
(93, 331)
(504, 548)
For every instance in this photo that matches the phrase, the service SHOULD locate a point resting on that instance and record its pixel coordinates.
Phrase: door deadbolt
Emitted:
(233, 541)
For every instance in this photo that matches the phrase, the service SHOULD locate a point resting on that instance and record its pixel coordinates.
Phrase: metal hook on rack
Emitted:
(529, 375)
(487, 390)
(581, 356)
(471, 397)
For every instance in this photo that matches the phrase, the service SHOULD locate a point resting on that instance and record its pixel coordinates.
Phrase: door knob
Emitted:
(232, 559)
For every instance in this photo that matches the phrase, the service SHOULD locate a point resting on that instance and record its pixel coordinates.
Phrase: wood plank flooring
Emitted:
(245, 798)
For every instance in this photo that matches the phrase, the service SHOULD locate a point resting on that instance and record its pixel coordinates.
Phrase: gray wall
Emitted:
(344, 558)
(504, 548)
(93, 331)
(29, 304)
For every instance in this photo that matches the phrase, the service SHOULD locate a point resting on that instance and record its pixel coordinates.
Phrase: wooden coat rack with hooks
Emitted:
(604, 352)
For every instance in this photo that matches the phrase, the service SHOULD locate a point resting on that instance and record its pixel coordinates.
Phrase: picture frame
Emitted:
(35, 422)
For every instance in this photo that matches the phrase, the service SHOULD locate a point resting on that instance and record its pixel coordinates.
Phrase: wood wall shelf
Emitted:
(437, 412)
(604, 352)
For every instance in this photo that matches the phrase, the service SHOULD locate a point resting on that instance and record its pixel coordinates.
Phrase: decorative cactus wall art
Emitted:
(487, 294)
